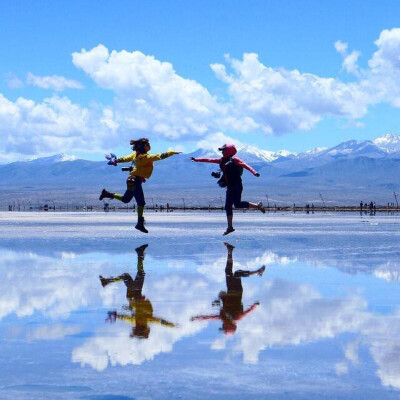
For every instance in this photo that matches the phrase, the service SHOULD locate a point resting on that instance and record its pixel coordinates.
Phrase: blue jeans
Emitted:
(134, 190)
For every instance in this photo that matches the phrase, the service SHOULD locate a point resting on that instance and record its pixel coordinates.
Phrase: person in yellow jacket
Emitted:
(140, 310)
(142, 168)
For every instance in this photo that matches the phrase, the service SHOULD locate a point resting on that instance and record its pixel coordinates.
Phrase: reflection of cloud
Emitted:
(293, 314)
(52, 286)
(113, 346)
(214, 270)
(289, 313)
(53, 332)
(341, 368)
(389, 271)
(387, 356)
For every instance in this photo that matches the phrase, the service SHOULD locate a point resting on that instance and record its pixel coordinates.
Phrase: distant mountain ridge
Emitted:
(387, 145)
(346, 172)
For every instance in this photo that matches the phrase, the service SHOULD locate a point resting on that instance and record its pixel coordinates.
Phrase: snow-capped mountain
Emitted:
(389, 143)
(247, 153)
(54, 159)
(350, 170)
(387, 146)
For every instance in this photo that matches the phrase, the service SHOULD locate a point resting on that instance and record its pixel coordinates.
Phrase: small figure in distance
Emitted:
(232, 170)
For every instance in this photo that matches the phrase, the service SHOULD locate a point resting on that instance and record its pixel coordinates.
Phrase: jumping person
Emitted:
(140, 309)
(140, 171)
(231, 310)
(232, 170)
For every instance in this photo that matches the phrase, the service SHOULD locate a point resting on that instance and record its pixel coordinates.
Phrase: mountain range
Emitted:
(344, 174)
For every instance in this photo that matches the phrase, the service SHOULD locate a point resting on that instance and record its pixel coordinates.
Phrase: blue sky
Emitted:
(38, 40)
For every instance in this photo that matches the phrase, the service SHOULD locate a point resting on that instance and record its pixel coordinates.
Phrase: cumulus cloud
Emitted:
(54, 82)
(341, 47)
(151, 97)
(350, 60)
(276, 100)
(215, 140)
(55, 124)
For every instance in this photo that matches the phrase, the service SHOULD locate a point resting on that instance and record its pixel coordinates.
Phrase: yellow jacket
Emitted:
(143, 314)
(144, 162)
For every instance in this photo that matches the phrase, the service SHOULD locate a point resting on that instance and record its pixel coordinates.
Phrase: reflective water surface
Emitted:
(302, 307)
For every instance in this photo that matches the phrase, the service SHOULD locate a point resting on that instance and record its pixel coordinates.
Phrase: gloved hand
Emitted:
(111, 317)
(257, 175)
(112, 159)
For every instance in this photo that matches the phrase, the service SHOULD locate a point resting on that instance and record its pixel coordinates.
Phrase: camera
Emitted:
(127, 169)
(216, 175)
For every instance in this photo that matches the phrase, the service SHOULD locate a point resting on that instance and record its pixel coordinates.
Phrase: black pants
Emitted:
(234, 198)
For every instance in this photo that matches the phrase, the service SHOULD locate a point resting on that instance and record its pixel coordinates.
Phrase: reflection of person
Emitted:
(141, 171)
(231, 310)
(140, 309)
(232, 169)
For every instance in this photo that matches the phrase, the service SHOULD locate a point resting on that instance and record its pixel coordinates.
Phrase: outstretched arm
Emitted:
(208, 160)
(162, 322)
(127, 318)
(241, 163)
(129, 158)
(249, 310)
(205, 317)
(161, 156)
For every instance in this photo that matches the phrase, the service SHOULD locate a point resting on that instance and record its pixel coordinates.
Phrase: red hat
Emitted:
(228, 150)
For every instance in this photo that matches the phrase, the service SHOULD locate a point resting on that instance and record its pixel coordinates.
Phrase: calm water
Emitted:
(190, 317)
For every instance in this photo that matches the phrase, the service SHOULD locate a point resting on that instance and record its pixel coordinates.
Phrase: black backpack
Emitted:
(231, 173)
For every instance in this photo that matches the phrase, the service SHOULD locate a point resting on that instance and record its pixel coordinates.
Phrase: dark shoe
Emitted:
(261, 207)
(140, 226)
(140, 250)
(261, 270)
(106, 194)
(229, 246)
(228, 231)
(104, 281)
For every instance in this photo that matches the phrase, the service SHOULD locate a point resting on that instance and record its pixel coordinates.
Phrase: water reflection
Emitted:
(285, 317)
(231, 310)
(140, 309)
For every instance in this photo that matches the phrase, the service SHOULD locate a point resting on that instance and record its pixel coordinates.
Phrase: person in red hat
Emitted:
(231, 309)
(232, 170)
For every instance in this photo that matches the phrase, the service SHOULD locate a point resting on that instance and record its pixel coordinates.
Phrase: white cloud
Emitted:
(388, 54)
(350, 60)
(216, 140)
(53, 125)
(341, 47)
(151, 96)
(13, 82)
(54, 82)
(275, 100)
(383, 77)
